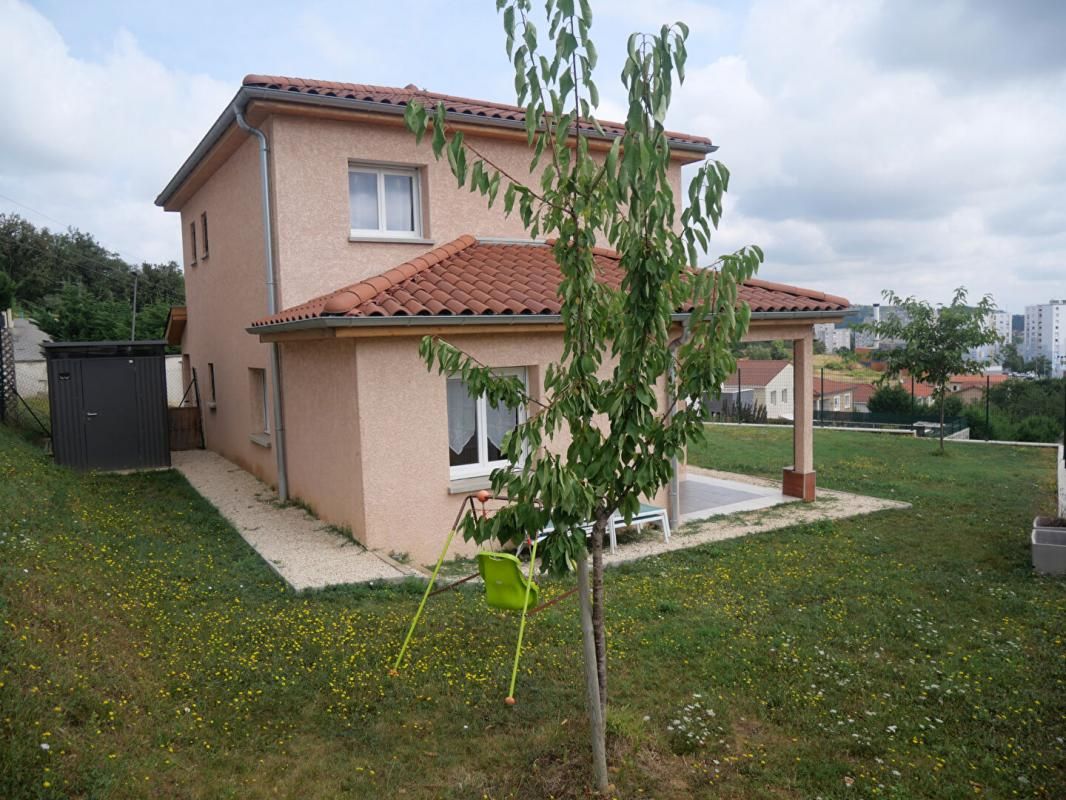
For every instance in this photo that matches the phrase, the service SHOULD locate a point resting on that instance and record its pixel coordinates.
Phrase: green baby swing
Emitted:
(506, 588)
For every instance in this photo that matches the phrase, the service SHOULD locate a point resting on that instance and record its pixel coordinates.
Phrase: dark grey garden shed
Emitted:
(108, 404)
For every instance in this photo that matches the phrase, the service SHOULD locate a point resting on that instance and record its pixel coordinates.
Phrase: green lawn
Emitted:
(909, 654)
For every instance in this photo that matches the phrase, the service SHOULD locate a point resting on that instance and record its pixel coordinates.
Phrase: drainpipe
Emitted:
(675, 480)
(272, 304)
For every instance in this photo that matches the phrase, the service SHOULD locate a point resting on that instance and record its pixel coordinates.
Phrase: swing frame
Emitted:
(467, 507)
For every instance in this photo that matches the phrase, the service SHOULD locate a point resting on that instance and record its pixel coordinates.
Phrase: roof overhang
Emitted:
(177, 318)
(350, 327)
(259, 101)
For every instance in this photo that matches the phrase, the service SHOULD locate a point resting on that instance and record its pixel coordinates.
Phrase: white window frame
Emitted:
(382, 231)
(784, 395)
(773, 397)
(484, 467)
(836, 402)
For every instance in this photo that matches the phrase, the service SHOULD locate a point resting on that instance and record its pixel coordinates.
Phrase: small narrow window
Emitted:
(260, 408)
(203, 233)
(773, 398)
(836, 402)
(384, 202)
(784, 395)
(192, 242)
(211, 382)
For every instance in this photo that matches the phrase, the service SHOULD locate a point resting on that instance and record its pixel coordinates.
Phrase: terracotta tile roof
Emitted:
(832, 387)
(756, 372)
(469, 277)
(482, 110)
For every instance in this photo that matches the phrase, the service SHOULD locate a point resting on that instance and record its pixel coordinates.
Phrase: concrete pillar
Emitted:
(799, 480)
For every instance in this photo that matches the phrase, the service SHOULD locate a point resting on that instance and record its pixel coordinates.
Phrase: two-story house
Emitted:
(321, 244)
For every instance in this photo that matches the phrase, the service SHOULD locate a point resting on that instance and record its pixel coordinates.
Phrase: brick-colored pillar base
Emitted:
(798, 484)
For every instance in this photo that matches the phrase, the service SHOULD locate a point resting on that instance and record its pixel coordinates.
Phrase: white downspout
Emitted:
(272, 305)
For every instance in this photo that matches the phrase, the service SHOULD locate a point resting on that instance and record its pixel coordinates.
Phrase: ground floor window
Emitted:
(259, 406)
(476, 430)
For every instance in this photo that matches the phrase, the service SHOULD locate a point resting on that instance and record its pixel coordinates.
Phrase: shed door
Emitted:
(110, 406)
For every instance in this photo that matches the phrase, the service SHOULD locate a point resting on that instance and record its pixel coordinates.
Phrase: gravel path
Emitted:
(303, 550)
(308, 554)
(829, 505)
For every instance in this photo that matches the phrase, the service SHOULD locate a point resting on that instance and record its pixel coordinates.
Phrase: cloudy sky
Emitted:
(902, 144)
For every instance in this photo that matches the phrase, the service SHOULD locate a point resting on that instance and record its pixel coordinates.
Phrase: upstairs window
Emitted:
(192, 242)
(211, 400)
(384, 202)
(203, 233)
(476, 429)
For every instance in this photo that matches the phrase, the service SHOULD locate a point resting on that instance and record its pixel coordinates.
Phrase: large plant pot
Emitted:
(1049, 545)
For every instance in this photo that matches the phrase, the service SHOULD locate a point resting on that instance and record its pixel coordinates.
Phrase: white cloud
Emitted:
(91, 143)
(858, 174)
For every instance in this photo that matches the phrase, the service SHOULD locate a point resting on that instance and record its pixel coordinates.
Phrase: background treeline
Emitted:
(76, 290)
(1017, 410)
(1020, 411)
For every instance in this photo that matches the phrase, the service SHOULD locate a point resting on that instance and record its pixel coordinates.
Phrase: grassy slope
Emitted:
(911, 652)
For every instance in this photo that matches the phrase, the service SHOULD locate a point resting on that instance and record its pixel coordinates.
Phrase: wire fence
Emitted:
(841, 398)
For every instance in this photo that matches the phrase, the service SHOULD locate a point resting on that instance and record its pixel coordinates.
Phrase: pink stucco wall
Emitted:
(368, 433)
(310, 164)
(223, 293)
(325, 452)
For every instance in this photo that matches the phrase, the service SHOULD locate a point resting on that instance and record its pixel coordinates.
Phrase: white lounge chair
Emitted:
(647, 513)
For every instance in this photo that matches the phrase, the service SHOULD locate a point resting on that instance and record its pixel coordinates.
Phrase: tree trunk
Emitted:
(598, 626)
(942, 399)
(592, 678)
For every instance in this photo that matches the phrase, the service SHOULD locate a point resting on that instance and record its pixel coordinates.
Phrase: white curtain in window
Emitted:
(462, 416)
(399, 203)
(498, 423)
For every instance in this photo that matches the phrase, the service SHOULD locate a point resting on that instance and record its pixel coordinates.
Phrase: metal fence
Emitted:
(841, 399)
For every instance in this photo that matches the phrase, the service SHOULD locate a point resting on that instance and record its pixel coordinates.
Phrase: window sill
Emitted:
(391, 239)
(261, 439)
(467, 485)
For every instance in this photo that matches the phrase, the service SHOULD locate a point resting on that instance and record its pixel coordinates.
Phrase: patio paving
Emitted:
(306, 552)
(724, 505)
(705, 496)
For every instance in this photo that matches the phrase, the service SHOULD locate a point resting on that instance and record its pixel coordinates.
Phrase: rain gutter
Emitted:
(318, 323)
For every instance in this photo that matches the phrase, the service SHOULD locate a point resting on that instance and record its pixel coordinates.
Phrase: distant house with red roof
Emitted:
(765, 383)
(305, 311)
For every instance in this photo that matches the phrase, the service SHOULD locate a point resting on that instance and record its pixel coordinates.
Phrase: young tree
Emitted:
(935, 340)
(619, 345)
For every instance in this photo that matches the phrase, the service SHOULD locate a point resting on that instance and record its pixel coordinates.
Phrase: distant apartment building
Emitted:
(1045, 334)
(1000, 323)
(832, 337)
(872, 341)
